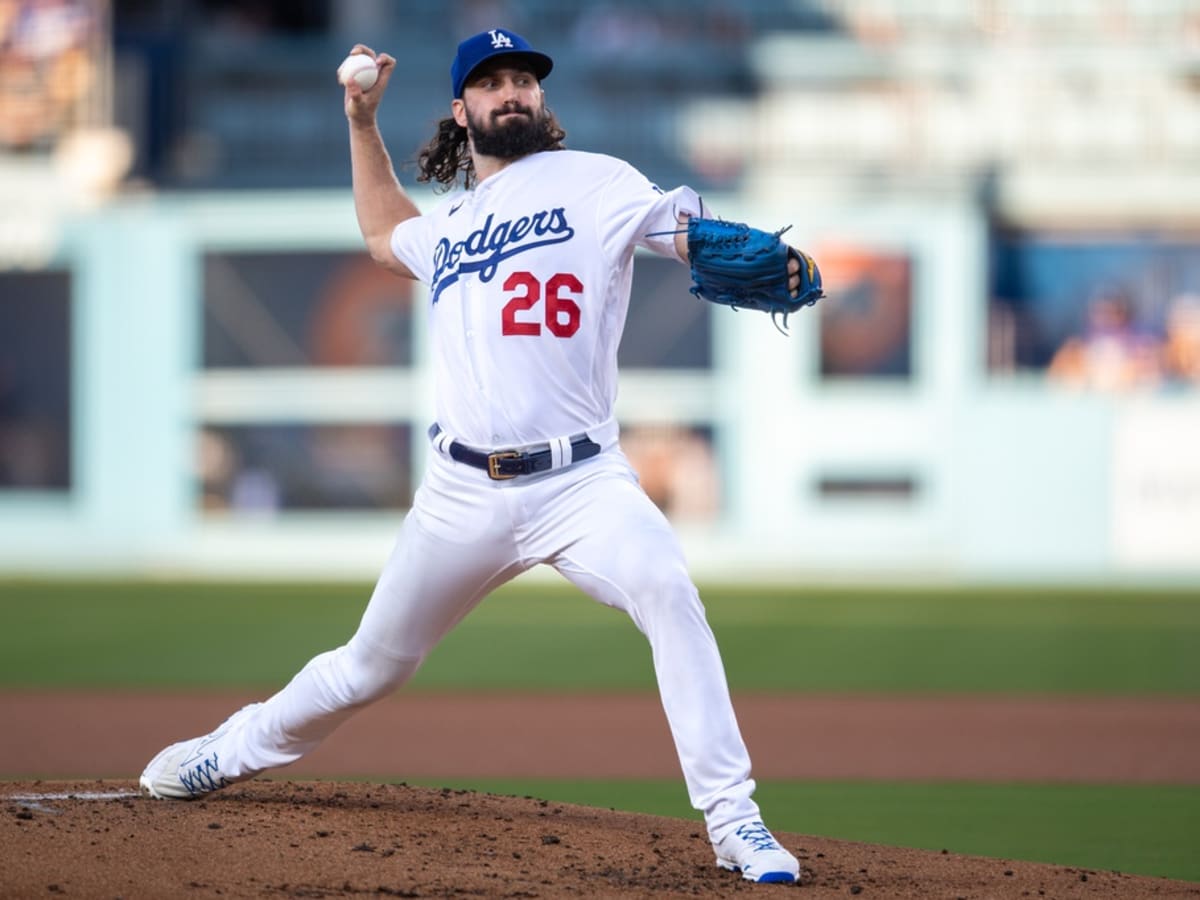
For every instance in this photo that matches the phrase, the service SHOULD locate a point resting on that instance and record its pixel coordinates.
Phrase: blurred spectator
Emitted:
(46, 69)
(1181, 349)
(1112, 353)
(676, 468)
(216, 464)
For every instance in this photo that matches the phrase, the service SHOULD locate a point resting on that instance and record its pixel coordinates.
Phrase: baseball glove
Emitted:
(743, 267)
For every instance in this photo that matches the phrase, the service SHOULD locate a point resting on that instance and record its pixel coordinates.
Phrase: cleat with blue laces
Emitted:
(752, 850)
(191, 768)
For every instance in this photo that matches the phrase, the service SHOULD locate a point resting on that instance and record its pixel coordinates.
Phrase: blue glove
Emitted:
(743, 267)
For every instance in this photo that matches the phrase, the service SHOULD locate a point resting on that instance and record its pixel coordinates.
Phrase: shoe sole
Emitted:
(781, 877)
(776, 878)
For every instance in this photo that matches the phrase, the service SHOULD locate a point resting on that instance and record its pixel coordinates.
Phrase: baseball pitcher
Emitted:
(529, 270)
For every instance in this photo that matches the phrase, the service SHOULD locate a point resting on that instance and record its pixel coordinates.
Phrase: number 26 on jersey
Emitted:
(533, 305)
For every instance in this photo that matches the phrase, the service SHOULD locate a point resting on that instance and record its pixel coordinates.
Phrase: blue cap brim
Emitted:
(539, 63)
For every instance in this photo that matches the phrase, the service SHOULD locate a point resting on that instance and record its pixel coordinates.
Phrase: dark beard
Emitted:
(511, 140)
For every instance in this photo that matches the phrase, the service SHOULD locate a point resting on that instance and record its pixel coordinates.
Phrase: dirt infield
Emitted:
(280, 839)
(292, 838)
(420, 735)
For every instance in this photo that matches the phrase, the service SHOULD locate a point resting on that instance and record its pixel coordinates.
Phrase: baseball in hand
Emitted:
(361, 68)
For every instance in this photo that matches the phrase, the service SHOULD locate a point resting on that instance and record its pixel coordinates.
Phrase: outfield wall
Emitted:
(950, 474)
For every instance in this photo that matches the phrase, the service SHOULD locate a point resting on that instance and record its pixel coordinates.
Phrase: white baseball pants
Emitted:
(465, 536)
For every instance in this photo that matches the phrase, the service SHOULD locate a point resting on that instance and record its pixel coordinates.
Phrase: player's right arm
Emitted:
(379, 201)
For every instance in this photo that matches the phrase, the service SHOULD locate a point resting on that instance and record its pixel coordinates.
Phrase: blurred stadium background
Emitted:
(201, 373)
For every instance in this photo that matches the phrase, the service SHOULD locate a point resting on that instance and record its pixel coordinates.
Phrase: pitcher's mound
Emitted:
(322, 839)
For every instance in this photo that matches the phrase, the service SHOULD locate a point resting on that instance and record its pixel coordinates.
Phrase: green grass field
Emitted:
(543, 637)
(538, 637)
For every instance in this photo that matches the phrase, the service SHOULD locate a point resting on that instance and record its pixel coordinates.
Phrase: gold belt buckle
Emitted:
(494, 472)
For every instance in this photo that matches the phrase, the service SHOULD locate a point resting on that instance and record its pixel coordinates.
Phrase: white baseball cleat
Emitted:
(752, 850)
(191, 768)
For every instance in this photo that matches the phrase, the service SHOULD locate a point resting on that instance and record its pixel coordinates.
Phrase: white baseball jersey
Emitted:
(529, 275)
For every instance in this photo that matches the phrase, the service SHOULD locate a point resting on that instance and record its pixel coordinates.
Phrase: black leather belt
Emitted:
(502, 465)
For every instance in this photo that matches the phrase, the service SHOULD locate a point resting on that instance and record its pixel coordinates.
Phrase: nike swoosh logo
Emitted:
(455, 207)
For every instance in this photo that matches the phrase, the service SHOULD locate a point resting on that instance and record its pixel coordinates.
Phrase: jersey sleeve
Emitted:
(634, 212)
(412, 244)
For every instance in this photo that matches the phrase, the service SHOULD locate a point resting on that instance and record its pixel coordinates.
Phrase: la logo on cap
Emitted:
(500, 39)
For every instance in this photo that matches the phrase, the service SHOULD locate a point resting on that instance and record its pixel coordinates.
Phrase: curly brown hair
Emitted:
(448, 153)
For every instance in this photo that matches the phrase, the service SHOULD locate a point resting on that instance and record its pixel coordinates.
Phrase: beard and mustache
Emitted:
(511, 139)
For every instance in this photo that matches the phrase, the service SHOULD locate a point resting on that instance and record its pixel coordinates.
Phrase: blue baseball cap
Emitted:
(487, 44)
